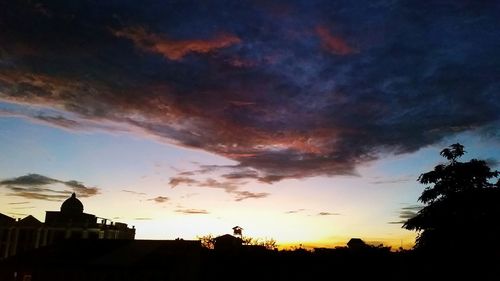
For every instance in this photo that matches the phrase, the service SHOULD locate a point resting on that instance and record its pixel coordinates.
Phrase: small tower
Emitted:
(238, 231)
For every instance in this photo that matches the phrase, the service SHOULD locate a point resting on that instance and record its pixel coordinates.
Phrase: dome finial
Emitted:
(72, 205)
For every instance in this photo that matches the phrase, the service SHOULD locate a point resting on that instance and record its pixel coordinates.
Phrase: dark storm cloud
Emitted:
(35, 186)
(292, 90)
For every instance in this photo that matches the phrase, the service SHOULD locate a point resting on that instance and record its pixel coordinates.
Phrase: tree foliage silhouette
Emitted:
(461, 204)
(208, 241)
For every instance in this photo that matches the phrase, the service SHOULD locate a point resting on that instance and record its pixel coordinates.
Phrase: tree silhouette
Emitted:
(462, 205)
(268, 243)
(207, 241)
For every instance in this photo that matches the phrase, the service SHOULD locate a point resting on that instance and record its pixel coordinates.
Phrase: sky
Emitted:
(304, 121)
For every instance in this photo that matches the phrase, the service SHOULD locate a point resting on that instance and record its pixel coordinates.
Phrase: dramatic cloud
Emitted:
(174, 49)
(35, 186)
(192, 211)
(327, 87)
(159, 199)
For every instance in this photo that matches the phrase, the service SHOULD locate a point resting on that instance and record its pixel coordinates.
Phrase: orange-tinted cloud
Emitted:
(333, 43)
(175, 49)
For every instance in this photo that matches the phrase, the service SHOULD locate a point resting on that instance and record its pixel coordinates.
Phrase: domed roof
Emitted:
(72, 205)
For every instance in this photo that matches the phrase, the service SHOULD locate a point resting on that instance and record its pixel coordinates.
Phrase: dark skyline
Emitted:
(246, 98)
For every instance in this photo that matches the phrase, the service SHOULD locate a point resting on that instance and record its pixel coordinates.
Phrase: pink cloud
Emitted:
(174, 49)
(331, 43)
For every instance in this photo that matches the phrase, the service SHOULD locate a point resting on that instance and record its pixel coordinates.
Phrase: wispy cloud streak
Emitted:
(35, 186)
(230, 186)
(192, 211)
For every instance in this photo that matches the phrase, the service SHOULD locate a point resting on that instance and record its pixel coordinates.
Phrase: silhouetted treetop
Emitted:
(455, 176)
(461, 203)
(455, 151)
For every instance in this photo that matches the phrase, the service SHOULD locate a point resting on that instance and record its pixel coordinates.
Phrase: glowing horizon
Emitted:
(307, 121)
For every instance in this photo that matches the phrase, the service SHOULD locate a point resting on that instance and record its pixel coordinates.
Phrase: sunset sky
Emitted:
(304, 121)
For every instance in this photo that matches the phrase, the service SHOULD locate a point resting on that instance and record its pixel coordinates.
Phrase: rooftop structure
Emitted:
(68, 223)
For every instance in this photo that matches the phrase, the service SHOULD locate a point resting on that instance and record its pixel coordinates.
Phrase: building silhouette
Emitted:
(227, 242)
(68, 223)
(107, 259)
(357, 244)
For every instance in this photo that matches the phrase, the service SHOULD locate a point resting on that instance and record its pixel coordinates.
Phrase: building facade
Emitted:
(69, 223)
